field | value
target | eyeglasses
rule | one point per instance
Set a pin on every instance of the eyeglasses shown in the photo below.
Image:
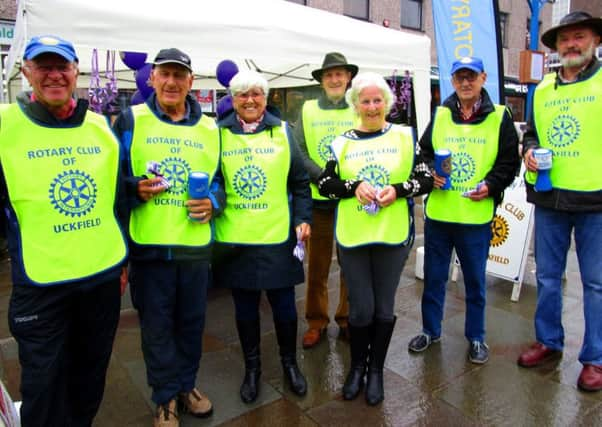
(469, 77)
(47, 69)
(255, 94)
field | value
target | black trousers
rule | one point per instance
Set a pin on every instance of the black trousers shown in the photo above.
(171, 299)
(65, 335)
(282, 301)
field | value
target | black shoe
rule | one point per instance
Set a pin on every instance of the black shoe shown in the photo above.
(295, 378)
(354, 382)
(249, 389)
(381, 338)
(249, 334)
(478, 352)
(421, 342)
(375, 389)
(359, 343)
(286, 334)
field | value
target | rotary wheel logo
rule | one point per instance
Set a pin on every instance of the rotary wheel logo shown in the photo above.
(565, 130)
(324, 147)
(73, 193)
(176, 171)
(249, 182)
(463, 167)
(499, 231)
(375, 175)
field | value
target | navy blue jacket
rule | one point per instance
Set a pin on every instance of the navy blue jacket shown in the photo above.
(259, 267)
(124, 129)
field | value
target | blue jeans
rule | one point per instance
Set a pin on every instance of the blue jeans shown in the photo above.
(472, 247)
(552, 240)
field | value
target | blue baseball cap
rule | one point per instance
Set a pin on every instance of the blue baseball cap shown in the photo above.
(50, 44)
(468, 62)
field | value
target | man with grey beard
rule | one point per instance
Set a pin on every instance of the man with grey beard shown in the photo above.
(567, 107)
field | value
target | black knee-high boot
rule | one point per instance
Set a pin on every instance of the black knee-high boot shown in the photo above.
(286, 333)
(381, 337)
(249, 334)
(359, 343)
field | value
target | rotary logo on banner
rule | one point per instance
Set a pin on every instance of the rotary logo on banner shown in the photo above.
(511, 234)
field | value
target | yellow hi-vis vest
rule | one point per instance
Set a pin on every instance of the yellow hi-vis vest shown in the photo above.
(62, 185)
(381, 160)
(320, 127)
(474, 149)
(255, 169)
(568, 121)
(180, 149)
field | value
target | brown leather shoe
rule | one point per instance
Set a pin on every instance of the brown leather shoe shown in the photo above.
(196, 403)
(312, 337)
(167, 415)
(590, 378)
(536, 355)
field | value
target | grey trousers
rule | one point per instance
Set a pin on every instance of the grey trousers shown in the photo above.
(372, 274)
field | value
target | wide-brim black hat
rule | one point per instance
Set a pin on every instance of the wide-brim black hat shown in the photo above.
(574, 18)
(333, 60)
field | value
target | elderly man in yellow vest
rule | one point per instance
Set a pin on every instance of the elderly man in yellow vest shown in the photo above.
(59, 190)
(320, 122)
(566, 123)
(171, 231)
(484, 147)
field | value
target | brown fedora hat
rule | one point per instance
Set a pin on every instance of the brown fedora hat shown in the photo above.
(332, 60)
(574, 18)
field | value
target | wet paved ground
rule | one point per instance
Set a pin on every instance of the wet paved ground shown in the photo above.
(436, 388)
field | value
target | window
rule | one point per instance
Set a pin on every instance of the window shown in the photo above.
(503, 27)
(303, 2)
(411, 14)
(357, 9)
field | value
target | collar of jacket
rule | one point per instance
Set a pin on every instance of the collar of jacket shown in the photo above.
(39, 114)
(270, 119)
(486, 107)
(585, 74)
(194, 109)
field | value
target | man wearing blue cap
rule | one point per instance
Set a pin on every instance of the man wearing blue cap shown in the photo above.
(59, 188)
(484, 148)
(567, 106)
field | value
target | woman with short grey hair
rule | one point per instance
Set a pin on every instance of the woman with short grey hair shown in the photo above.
(268, 212)
(365, 80)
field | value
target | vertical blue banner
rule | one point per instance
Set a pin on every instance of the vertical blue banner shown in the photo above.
(468, 28)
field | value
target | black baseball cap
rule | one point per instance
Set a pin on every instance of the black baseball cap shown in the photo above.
(172, 56)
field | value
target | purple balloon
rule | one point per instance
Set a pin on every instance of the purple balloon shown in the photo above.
(134, 60)
(225, 71)
(136, 98)
(142, 83)
(224, 105)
